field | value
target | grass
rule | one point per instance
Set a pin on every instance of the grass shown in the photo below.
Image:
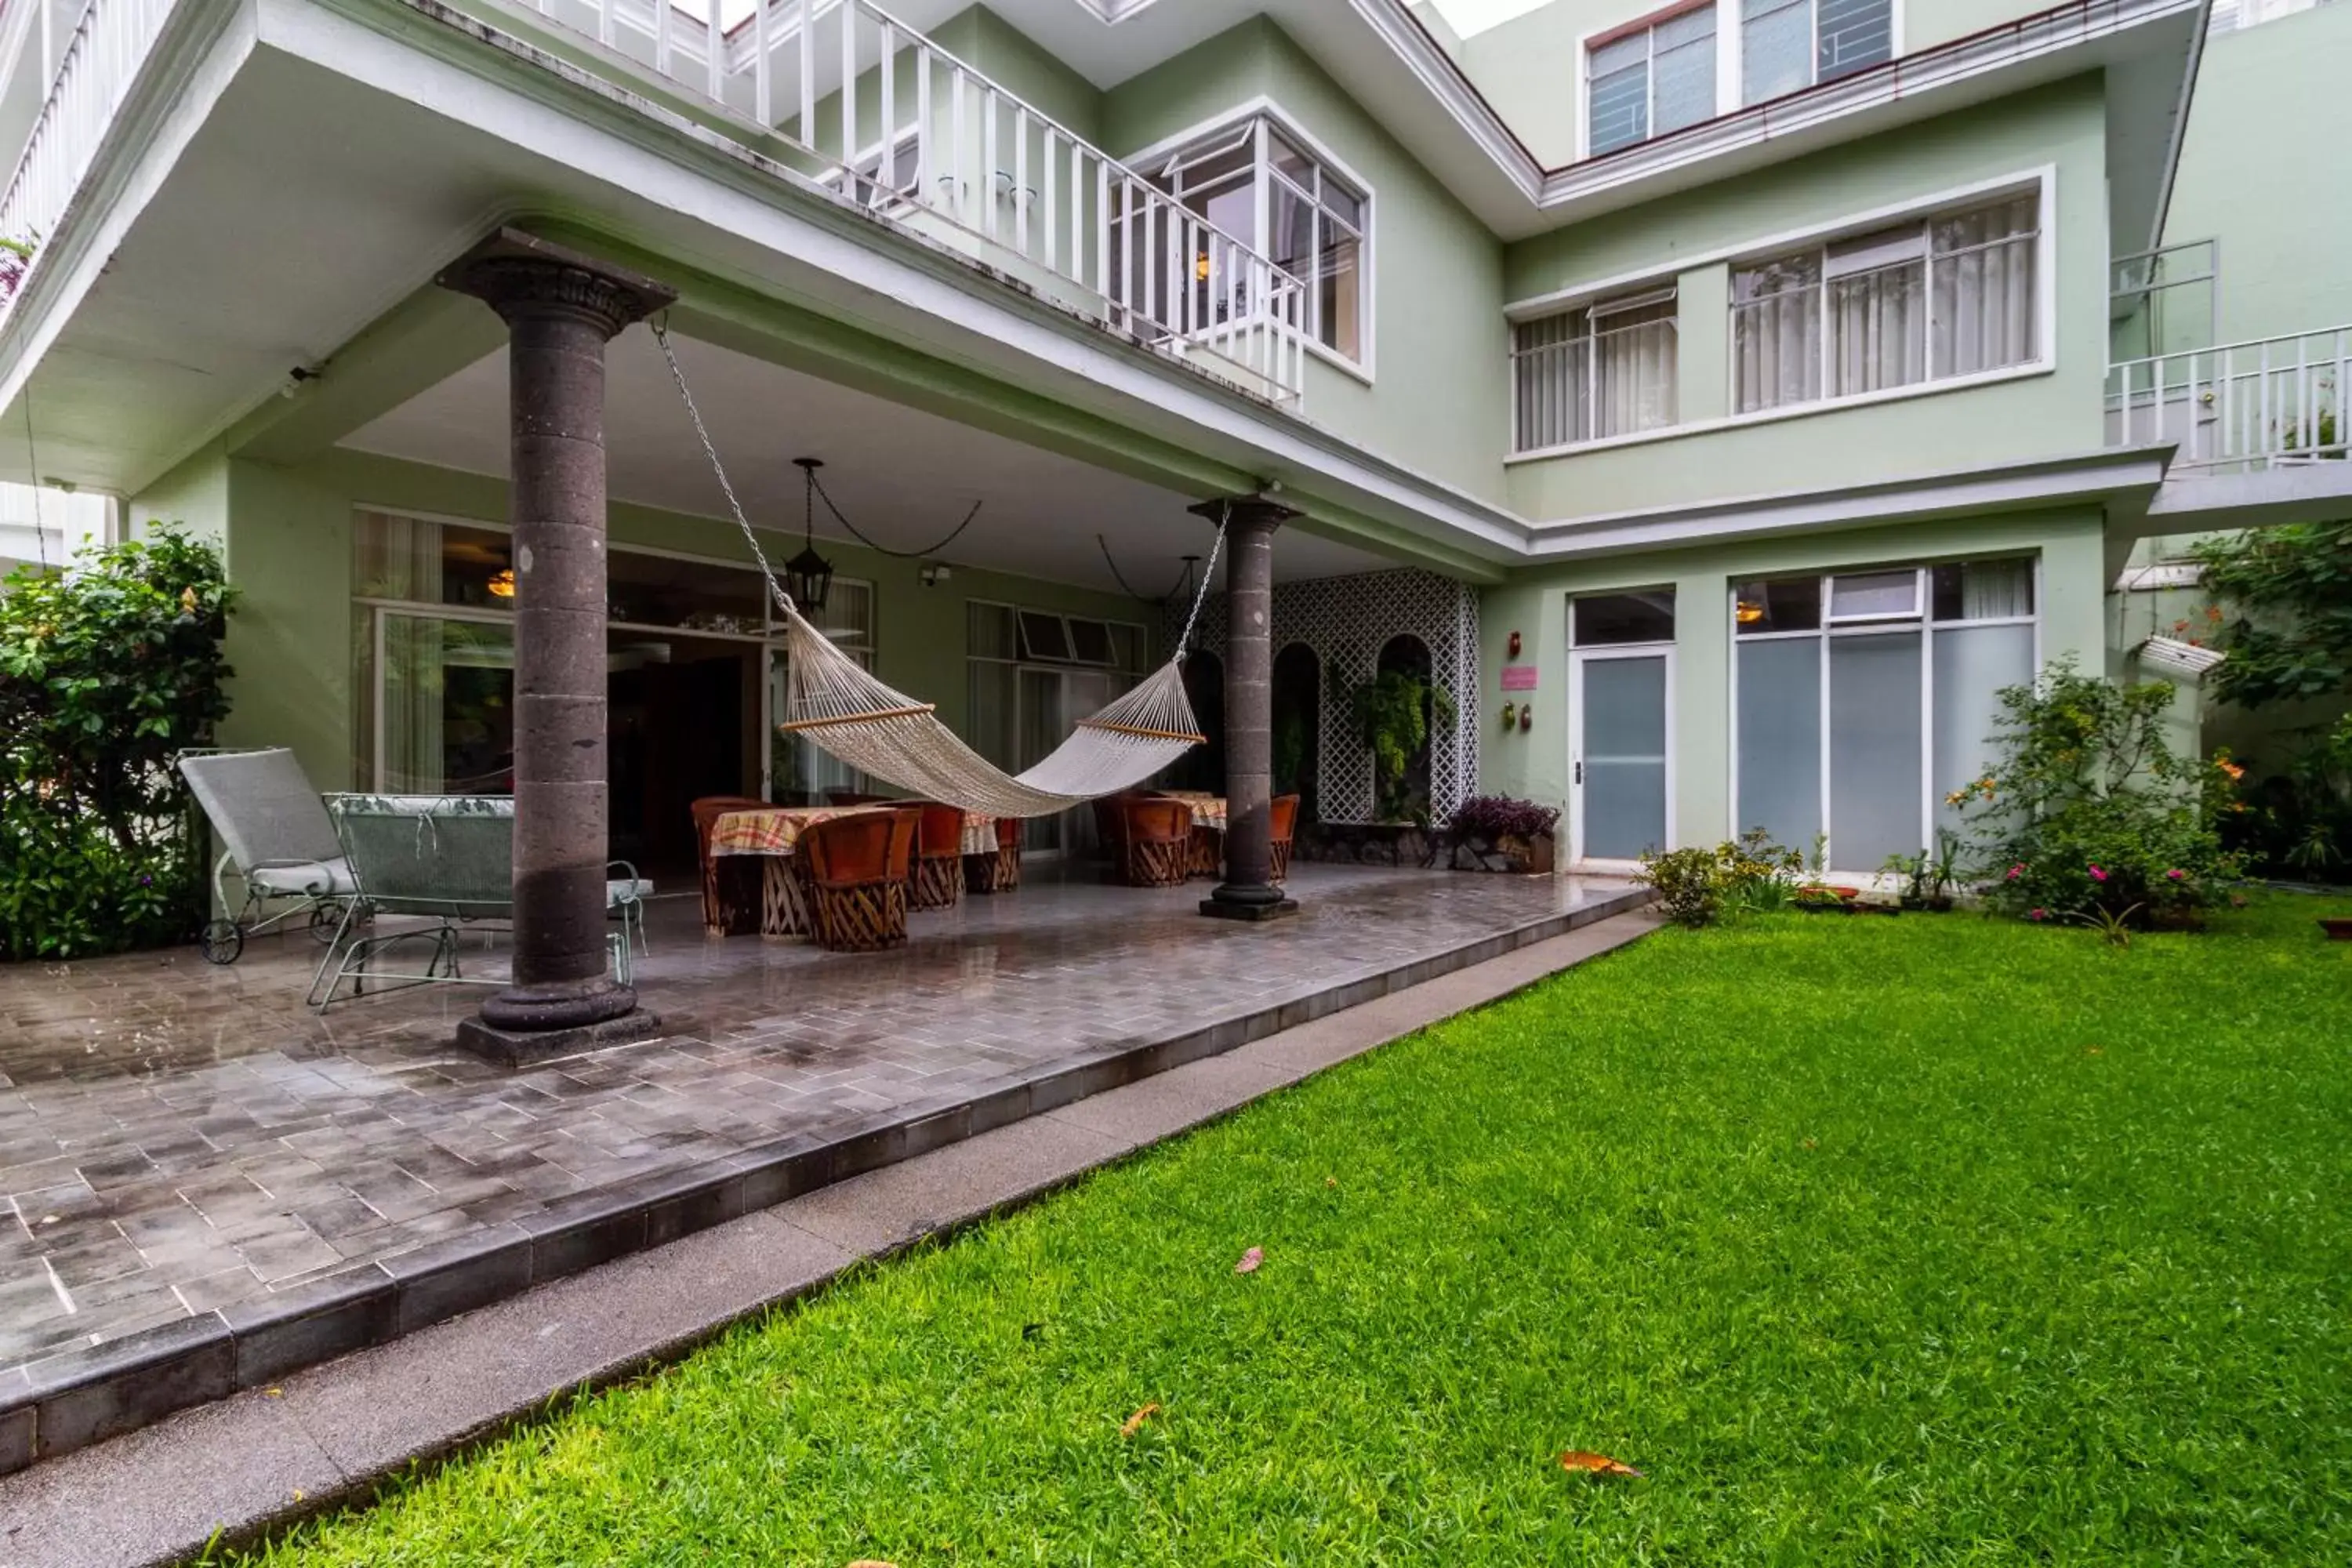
(1930, 1240)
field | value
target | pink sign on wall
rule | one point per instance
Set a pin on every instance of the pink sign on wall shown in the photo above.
(1519, 678)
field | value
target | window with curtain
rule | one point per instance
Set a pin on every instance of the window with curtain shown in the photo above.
(1865, 698)
(1919, 301)
(1605, 370)
(1656, 76)
(1787, 46)
(1257, 184)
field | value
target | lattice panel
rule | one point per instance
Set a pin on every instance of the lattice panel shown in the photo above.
(1345, 621)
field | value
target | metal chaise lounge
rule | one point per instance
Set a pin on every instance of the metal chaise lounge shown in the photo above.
(278, 840)
(449, 860)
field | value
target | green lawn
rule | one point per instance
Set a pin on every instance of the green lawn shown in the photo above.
(1888, 1241)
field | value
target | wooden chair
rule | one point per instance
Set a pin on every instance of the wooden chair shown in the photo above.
(999, 871)
(1156, 841)
(1108, 829)
(856, 867)
(939, 858)
(730, 883)
(1208, 853)
(1282, 815)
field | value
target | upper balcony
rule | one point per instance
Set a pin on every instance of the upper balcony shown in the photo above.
(836, 92)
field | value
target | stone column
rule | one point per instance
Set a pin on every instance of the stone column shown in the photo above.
(560, 309)
(1248, 892)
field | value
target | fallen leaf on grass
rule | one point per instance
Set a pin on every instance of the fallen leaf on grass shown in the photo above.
(1810, 1144)
(871, 1562)
(2094, 1050)
(1330, 1181)
(1578, 1461)
(1250, 1260)
(1134, 1422)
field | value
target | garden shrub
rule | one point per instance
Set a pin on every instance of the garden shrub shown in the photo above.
(2089, 812)
(1689, 884)
(106, 673)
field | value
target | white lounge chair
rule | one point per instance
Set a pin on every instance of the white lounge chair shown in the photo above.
(280, 841)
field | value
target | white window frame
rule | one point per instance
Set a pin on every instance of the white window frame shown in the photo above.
(869, 189)
(1662, 290)
(1603, 38)
(2044, 178)
(1735, 89)
(1923, 619)
(1264, 109)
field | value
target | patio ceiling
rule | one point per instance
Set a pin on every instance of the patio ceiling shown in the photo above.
(905, 477)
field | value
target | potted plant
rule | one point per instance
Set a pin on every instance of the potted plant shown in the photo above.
(1499, 833)
(1393, 712)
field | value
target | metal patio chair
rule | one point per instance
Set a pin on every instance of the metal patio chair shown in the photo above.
(448, 859)
(277, 839)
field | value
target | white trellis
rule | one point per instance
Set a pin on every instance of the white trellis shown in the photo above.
(1345, 622)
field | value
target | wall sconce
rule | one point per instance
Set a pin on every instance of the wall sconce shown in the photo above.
(1526, 718)
(1514, 645)
(1510, 715)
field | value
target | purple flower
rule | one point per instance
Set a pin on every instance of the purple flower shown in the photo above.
(2175, 875)
(2098, 875)
(146, 881)
(2037, 914)
(2015, 873)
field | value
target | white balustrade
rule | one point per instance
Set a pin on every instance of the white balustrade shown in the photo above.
(917, 136)
(2238, 407)
(101, 56)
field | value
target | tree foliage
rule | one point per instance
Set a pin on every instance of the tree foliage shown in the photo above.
(2287, 596)
(107, 672)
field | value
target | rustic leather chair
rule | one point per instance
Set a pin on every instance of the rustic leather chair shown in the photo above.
(730, 883)
(998, 871)
(1282, 815)
(1155, 841)
(856, 867)
(939, 858)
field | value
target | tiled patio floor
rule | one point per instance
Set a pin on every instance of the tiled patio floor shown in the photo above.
(175, 1137)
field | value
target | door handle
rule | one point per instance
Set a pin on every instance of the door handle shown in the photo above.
(1579, 770)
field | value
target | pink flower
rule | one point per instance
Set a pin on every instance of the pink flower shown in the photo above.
(2015, 873)
(2175, 875)
(2098, 875)
(2037, 914)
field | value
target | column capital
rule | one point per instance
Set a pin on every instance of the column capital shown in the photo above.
(518, 274)
(1258, 510)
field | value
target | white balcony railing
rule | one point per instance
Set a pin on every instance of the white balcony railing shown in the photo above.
(2240, 406)
(923, 140)
(101, 56)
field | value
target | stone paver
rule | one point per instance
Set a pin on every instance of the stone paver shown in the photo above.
(331, 1432)
(176, 1138)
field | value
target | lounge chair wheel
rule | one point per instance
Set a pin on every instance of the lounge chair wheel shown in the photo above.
(325, 921)
(223, 942)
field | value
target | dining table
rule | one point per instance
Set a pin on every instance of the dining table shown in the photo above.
(774, 833)
(1208, 848)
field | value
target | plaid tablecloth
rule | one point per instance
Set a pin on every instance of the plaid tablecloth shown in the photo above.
(1208, 810)
(777, 829)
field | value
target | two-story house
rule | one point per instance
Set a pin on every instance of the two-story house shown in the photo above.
(1731, 393)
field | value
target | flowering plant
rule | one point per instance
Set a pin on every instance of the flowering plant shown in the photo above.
(2090, 810)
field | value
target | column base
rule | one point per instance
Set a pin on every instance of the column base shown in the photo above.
(528, 1047)
(1229, 902)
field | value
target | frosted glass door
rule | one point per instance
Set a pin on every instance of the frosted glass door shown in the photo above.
(1621, 748)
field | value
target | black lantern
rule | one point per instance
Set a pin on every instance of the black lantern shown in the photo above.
(808, 577)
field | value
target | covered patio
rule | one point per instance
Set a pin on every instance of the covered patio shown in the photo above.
(194, 1164)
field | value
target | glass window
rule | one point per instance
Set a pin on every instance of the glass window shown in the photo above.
(1875, 595)
(1606, 618)
(1606, 370)
(1779, 605)
(1972, 665)
(1044, 637)
(1946, 296)
(1877, 806)
(1982, 590)
(1780, 752)
(1787, 46)
(1646, 83)
(1315, 219)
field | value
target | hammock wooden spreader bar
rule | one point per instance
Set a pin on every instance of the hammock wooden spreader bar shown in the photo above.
(838, 705)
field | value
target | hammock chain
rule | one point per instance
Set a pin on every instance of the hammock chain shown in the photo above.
(750, 536)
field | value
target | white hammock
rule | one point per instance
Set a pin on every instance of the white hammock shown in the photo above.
(838, 705)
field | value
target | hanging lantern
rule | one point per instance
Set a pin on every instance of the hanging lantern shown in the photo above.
(808, 577)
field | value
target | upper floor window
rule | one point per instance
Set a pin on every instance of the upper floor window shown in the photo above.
(1787, 46)
(1605, 369)
(1257, 184)
(1651, 77)
(1923, 300)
